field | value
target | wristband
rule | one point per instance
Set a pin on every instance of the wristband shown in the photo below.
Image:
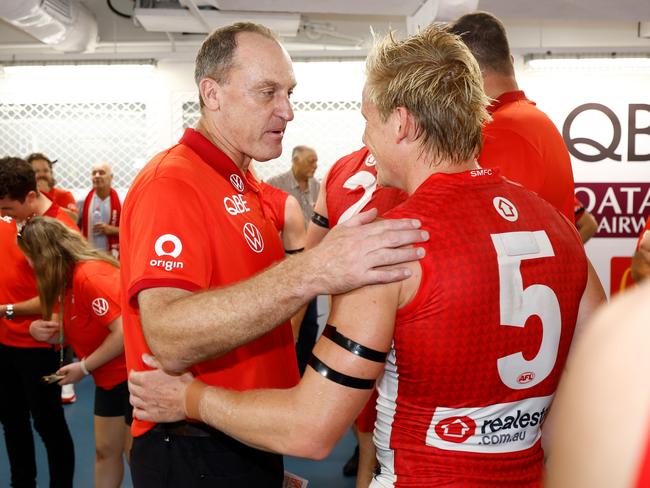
(9, 311)
(82, 365)
(193, 395)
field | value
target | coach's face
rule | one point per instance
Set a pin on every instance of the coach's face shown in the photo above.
(252, 104)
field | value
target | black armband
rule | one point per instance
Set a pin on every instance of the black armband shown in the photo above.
(342, 379)
(354, 347)
(320, 221)
(294, 251)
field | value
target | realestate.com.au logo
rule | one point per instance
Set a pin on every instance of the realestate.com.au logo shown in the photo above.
(168, 245)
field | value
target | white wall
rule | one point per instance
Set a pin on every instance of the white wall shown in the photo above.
(334, 130)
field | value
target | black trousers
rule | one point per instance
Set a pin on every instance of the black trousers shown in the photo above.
(307, 335)
(160, 459)
(25, 395)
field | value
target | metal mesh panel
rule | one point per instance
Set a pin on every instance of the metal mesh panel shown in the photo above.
(332, 128)
(79, 135)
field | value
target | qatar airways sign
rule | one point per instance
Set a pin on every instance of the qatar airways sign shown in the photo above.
(619, 208)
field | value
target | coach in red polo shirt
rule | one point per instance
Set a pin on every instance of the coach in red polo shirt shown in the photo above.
(199, 283)
(24, 360)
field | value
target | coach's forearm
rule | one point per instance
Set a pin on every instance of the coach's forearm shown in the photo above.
(197, 327)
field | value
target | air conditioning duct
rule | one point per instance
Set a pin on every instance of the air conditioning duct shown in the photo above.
(65, 25)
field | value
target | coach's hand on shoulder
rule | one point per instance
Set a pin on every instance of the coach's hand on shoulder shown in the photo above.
(355, 253)
(157, 396)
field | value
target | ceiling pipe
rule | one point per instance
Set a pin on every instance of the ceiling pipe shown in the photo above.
(65, 25)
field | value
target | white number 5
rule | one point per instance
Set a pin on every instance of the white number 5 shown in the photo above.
(517, 304)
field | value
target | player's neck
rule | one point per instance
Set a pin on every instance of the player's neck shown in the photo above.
(496, 84)
(423, 170)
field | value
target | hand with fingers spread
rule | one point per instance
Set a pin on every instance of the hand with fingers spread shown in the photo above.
(157, 396)
(356, 253)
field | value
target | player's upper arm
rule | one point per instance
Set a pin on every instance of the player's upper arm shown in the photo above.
(592, 298)
(316, 233)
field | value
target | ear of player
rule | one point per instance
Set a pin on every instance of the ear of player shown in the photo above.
(355, 348)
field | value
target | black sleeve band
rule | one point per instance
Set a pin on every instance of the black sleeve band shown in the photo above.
(319, 220)
(354, 347)
(340, 378)
(294, 251)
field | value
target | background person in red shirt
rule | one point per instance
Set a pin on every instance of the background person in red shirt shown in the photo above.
(24, 360)
(520, 140)
(44, 169)
(85, 284)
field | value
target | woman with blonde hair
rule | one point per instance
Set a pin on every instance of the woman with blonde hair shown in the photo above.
(81, 284)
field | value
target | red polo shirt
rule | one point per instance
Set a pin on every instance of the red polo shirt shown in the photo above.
(18, 283)
(274, 201)
(63, 198)
(91, 304)
(192, 220)
(527, 148)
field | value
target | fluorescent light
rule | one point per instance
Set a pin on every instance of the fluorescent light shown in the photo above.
(586, 62)
(112, 69)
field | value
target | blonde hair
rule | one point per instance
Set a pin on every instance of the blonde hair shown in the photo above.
(434, 76)
(54, 250)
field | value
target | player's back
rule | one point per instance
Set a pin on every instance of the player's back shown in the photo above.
(352, 188)
(478, 352)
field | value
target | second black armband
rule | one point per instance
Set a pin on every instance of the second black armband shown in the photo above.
(320, 221)
(338, 377)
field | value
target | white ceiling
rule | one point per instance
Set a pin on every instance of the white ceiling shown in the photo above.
(341, 28)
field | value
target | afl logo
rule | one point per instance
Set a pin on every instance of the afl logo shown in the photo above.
(237, 183)
(526, 377)
(505, 208)
(159, 247)
(456, 429)
(370, 160)
(253, 237)
(100, 307)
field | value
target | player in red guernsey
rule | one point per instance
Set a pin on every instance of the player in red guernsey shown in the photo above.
(472, 345)
(600, 430)
(350, 187)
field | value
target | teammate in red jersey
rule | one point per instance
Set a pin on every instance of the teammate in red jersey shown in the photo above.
(601, 419)
(350, 187)
(471, 347)
(85, 283)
